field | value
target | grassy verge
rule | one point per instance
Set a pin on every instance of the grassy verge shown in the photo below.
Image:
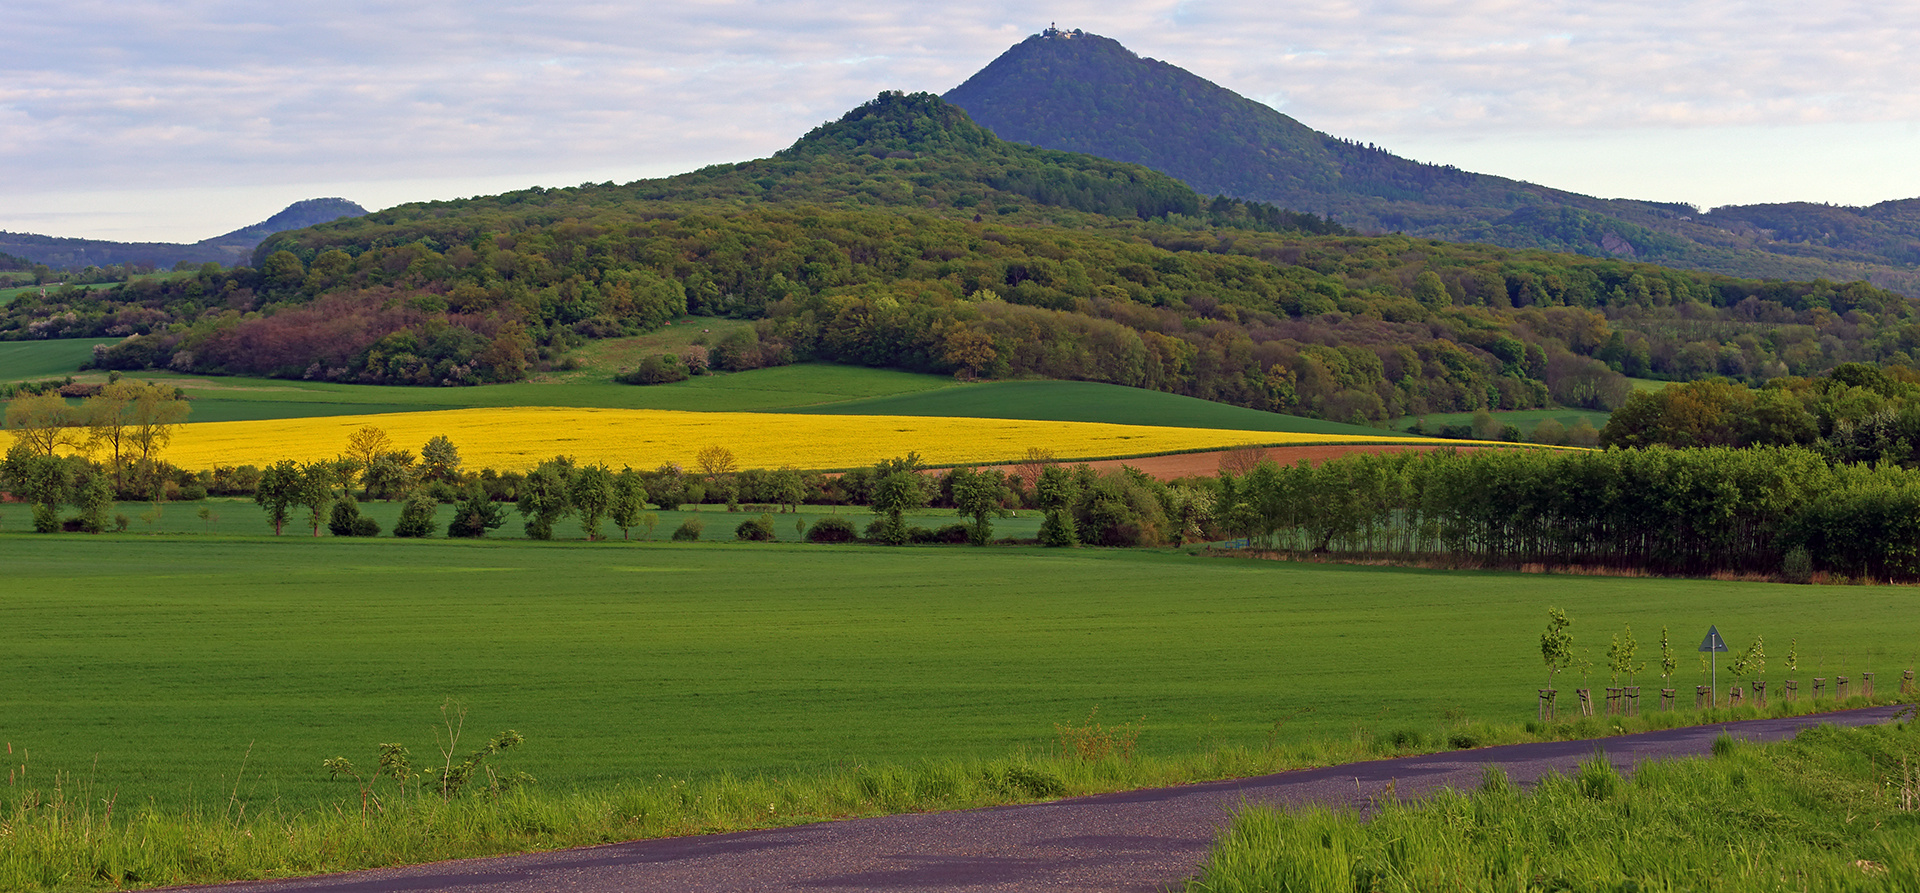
(1832, 810)
(69, 835)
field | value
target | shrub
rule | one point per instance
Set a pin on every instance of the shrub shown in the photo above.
(477, 515)
(887, 531)
(365, 526)
(1798, 566)
(416, 517)
(756, 530)
(657, 369)
(919, 535)
(341, 522)
(831, 529)
(688, 531)
(951, 534)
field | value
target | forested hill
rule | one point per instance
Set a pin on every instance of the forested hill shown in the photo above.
(1085, 93)
(230, 248)
(905, 235)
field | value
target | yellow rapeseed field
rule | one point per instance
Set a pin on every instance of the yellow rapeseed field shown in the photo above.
(518, 438)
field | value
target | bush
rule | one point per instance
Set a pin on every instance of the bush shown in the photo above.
(688, 531)
(885, 531)
(477, 515)
(416, 518)
(365, 526)
(951, 534)
(756, 530)
(341, 522)
(1798, 566)
(657, 369)
(1058, 530)
(831, 529)
(919, 535)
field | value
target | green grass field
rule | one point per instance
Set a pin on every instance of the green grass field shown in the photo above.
(8, 294)
(1524, 419)
(810, 388)
(174, 667)
(1084, 401)
(21, 360)
(238, 398)
(228, 516)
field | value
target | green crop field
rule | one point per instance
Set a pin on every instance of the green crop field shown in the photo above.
(1084, 401)
(236, 398)
(241, 517)
(181, 668)
(45, 359)
(1524, 419)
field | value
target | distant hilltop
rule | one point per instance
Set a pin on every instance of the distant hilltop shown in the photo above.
(1075, 91)
(228, 249)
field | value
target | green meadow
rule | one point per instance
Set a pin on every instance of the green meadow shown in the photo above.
(45, 359)
(808, 388)
(1085, 401)
(235, 516)
(1524, 419)
(192, 669)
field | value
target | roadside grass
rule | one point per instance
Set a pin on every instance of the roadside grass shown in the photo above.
(74, 835)
(1831, 810)
(1085, 401)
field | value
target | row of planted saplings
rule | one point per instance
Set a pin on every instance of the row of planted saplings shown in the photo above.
(1556, 649)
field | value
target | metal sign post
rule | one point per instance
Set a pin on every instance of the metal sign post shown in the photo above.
(1713, 645)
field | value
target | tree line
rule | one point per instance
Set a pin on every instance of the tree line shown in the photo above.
(1856, 413)
(1774, 510)
(1765, 510)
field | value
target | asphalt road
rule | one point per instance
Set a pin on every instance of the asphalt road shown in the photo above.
(1135, 841)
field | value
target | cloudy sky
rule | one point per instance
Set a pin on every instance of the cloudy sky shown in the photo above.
(178, 120)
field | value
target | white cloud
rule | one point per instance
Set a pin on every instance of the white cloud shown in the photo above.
(139, 96)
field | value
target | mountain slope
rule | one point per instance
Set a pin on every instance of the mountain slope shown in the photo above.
(904, 235)
(1085, 93)
(230, 248)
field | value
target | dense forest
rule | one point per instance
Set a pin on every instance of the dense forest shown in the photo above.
(1766, 511)
(905, 235)
(1085, 93)
(1857, 413)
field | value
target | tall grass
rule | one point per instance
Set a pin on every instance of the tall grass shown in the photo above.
(1831, 810)
(67, 835)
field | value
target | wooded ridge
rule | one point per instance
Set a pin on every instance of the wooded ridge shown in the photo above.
(905, 235)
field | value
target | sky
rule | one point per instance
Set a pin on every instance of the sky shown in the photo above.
(183, 119)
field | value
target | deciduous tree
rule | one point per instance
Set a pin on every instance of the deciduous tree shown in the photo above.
(979, 495)
(591, 493)
(42, 422)
(279, 491)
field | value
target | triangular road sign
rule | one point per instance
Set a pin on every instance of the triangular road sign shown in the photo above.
(1713, 642)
